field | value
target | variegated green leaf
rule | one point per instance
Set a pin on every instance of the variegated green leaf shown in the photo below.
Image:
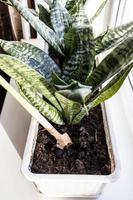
(59, 18)
(44, 15)
(31, 55)
(112, 63)
(105, 93)
(81, 63)
(40, 104)
(70, 108)
(99, 10)
(47, 33)
(80, 18)
(70, 40)
(22, 73)
(113, 36)
(111, 88)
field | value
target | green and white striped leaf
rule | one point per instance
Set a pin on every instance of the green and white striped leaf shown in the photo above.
(22, 73)
(81, 63)
(112, 63)
(33, 56)
(80, 18)
(70, 108)
(113, 36)
(41, 105)
(105, 93)
(70, 40)
(112, 87)
(60, 18)
(47, 33)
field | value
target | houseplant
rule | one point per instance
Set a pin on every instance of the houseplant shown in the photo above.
(69, 79)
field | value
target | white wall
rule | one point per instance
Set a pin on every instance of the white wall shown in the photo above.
(101, 22)
(16, 121)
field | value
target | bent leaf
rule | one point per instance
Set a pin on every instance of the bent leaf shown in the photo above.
(111, 88)
(47, 33)
(33, 56)
(22, 73)
(112, 63)
(113, 36)
(75, 91)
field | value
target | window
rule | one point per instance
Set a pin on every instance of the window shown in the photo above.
(122, 13)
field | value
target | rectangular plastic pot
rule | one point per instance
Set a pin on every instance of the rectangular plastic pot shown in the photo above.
(89, 186)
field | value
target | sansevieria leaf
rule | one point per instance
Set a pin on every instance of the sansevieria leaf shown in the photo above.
(106, 92)
(81, 63)
(47, 33)
(59, 18)
(70, 108)
(22, 73)
(33, 56)
(112, 87)
(41, 105)
(112, 63)
(113, 36)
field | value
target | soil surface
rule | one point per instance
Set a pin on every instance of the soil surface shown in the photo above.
(87, 155)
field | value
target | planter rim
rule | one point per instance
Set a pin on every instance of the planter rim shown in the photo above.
(108, 126)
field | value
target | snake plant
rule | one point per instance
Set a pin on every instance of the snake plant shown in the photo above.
(66, 83)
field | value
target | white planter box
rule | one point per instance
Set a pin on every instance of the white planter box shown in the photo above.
(89, 186)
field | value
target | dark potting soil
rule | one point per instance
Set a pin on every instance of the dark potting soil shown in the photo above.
(87, 155)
